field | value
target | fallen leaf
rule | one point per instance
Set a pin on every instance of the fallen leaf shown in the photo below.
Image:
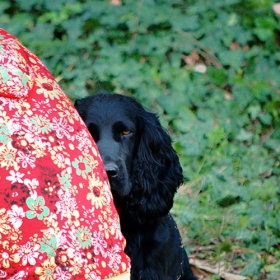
(116, 2)
(276, 8)
(201, 269)
(191, 59)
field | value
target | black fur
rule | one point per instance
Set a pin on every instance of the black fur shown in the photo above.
(144, 173)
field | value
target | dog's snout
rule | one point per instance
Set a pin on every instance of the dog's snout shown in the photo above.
(112, 170)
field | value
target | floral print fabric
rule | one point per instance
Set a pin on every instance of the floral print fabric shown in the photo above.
(57, 217)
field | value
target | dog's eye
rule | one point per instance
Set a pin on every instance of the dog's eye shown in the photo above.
(126, 132)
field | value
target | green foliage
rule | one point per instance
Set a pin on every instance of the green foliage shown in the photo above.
(225, 122)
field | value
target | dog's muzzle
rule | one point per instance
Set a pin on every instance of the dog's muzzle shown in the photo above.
(112, 170)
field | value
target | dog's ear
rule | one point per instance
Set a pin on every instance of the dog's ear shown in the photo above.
(157, 173)
(78, 105)
(82, 107)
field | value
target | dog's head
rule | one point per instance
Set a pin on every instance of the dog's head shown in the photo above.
(143, 168)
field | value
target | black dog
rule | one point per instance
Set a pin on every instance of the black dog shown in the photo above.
(144, 174)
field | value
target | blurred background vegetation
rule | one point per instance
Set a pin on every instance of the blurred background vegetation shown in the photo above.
(210, 69)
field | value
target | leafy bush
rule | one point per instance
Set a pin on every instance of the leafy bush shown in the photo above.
(211, 71)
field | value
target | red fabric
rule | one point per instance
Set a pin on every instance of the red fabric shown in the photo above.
(57, 217)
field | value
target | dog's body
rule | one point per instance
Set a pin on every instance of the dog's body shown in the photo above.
(144, 173)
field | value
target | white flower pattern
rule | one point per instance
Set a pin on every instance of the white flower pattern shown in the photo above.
(15, 177)
(15, 216)
(28, 253)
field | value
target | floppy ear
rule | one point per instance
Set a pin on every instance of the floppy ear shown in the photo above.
(157, 173)
(79, 105)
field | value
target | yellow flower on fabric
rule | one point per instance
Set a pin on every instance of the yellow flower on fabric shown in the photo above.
(91, 272)
(73, 218)
(23, 108)
(52, 229)
(3, 116)
(47, 270)
(93, 163)
(48, 88)
(14, 235)
(66, 110)
(38, 150)
(105, 227)
(6, 254)
(74, 190)
(8, 157)
(76, 266)
(97, 193)
(107, 214)
(59, 157)
(5, 259)
(51, 222)
(4, 225)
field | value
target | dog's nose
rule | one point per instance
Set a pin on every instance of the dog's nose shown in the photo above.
(112, 170)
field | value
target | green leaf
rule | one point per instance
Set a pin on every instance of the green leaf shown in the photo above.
(253, 267)
(232, 58)
(217, 75)
(185, 22)
(273, 144)
(73, 28)
(59, 4)
(265, 118)
(244, 235)
(254, 111)
(216, 136)
(171, 102)
(244, 135)
(28, 4)
(4, 6)
(243, 221)
(194, 142)
(187, 216)
(226, 246)
(265, 27)
(263, 34)
(185, 120)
